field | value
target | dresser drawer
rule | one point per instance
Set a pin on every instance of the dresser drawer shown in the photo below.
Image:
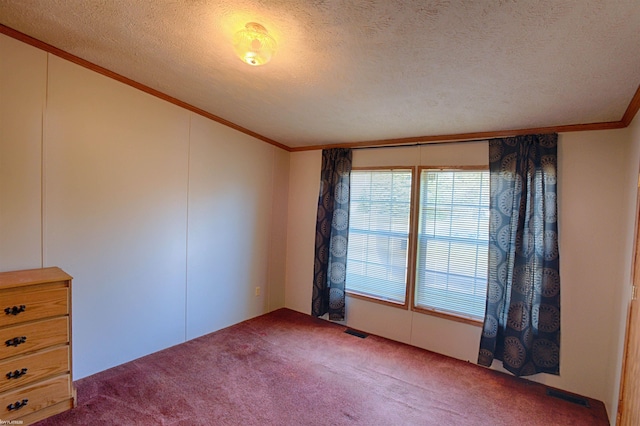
(31, 303)
(25, 400)
(27, 369)
(33, 336)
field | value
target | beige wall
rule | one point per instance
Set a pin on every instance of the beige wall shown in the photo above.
(165, 219)
(633, 177)
(115, 213)
(595, 216)
(304, 185)
(596, 201)
(230, 222)
(276, 294)
(22, 93)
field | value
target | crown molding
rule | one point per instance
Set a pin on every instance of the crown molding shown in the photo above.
(466, 137)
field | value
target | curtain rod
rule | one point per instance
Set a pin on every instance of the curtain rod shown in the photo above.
(423, 143)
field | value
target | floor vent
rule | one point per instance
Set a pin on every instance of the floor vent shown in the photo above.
(568, 397)
(356, 333)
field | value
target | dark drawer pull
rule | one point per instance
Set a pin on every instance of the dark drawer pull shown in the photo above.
(15, 310)
(16, 341)
(17, 405)
(16, 374)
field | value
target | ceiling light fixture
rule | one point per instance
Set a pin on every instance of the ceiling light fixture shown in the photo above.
(254, 45)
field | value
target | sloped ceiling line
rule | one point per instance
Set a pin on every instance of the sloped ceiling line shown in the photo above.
(122, 79)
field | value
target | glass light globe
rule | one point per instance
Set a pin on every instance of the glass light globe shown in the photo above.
(254, 45)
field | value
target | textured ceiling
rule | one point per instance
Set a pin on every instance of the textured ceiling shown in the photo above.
(349, 71)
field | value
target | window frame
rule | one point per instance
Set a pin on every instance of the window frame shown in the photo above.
(459, 317)
(412, 248)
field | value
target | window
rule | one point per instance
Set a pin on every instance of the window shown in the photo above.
(453, 241)
(446, 271)
(379, 214)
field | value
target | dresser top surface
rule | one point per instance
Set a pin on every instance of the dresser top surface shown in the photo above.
(32, 276)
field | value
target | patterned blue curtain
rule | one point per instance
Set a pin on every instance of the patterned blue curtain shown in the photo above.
(522, 320)
(332, 233)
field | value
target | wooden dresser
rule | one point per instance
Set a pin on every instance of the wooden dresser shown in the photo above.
(35, 344)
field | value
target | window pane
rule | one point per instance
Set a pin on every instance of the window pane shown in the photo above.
(379, 233)
(453, 238)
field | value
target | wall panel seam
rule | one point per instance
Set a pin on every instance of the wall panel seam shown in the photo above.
(43, 180)
(186, 260)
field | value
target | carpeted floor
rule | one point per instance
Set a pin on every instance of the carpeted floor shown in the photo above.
(286, 368)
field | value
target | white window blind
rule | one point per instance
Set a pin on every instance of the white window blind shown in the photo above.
(379, 233)
(453, 229)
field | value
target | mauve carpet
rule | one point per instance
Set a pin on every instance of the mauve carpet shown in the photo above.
(287, 368)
